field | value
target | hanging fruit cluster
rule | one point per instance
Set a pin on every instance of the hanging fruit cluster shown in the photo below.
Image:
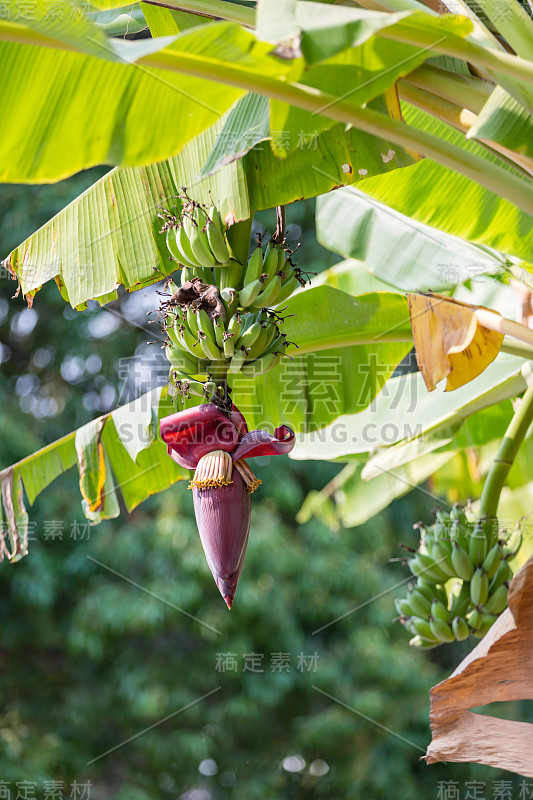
(463, 574)
(219, 319)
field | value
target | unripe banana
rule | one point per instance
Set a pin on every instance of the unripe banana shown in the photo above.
(237, 361)
(181, 361)
(422, 644)
(196, 388)
(441, 532)
(192, 322)
(248, 293)
(424, 567)
(439, 611)
(441, 630)
(212, 353)
(459, 534)
(175, 252)
(493, 561)
(184, 246)
(457, 514)
(172, 330)
(198, 238)
(187, 274)
(188, 342)
(254, 270)
(287, 288)
(270, 264)
(218, 327)
(461, 602)
(272, 330)
(420, 604)
(462, 564)
(229, 347)
(215, 237)
(497, 602)
(485, 624)
(474, 620)
(479, 587)
(235, 326)
(429, 590)
(460, 629)
(422, 628)
(443, 559)
(513, 544)
(282, 258)
(260, 366)
(503, 575)
(250, 335)
(231, 276)
(269, 294)
(403, 607)
(205, 325)
(258, 347)
(478, 545)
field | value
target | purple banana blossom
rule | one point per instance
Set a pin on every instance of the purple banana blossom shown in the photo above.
(214, 444)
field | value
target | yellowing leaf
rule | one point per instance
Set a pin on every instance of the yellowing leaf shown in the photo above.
(449, 341)
(91, 463)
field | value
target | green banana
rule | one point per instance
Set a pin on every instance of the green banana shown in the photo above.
(424, 567)
(235, 326)
(422, 644)
(254, 270)
(181, 361)
(403, 607)
(218, 327)
(231, 276)
(513, 544)
(479, 587)
(270, 263)
(258, 347)
(503, 575)
(196, 388)
(287, 288)
(269, 294)
(420, 604)
(187, 274)
(174, 251)
(260, 366)
(459, 534)
(229, 347)
(439, 611)
(250, 335)
(248, 293)
(272, 330)
(215, 237)
(493, 560)
(282, 258)
(474, 620)
(205, 325)
(441, 630)
(184, 246)
(485, 624)
(478, 545)
(420, 626)
(192, 322)
(462, 564)
(198, 238)
(461, 602)
(460, 629)
(188, 342)
(212, 353)
(443, 559)
(429, 590)
(497, 602)
(237, 361)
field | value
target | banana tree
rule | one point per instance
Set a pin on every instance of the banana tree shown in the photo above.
(421, 123)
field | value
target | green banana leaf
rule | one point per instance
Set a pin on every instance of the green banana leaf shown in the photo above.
(405, 409)
(166, 21)
(394, 248)
(110, 234)
(123, 21)
(436, 196)
(503, 120)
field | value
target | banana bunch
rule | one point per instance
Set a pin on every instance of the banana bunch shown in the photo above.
(199, 240)
(462, 579)
(268, 280)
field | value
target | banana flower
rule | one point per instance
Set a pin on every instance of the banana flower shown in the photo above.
(213, 444)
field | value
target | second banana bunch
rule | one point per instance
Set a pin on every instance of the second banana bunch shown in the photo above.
(462, 576)
(219, 320)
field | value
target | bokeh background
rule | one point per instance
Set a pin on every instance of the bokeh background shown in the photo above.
(94, 649)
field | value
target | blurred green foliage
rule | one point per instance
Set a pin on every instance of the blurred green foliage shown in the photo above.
(111, 631)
